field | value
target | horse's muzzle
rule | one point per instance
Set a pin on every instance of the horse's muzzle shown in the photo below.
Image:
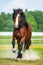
(16, 26)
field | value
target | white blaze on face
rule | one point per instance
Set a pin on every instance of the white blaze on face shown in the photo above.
(16, 21)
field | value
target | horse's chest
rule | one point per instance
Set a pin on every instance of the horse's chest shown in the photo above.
(21, 32)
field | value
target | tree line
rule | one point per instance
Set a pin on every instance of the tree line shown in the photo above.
(34, 18)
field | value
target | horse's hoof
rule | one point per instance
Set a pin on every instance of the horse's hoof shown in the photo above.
(19, 56)
(14, 50)
(18, 59)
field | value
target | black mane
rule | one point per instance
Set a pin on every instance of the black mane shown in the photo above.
(23, 18)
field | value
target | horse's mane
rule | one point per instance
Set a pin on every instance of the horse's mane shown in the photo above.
(23, 17)
(23, 20)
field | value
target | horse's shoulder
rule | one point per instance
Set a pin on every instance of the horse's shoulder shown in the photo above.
(23, 28)
(29, 27)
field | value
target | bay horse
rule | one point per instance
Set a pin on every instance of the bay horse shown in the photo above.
(22, 32)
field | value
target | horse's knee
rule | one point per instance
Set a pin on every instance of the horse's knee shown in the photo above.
(20, 46)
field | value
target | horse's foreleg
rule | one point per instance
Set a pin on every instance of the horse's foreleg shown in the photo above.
(13, 45)
(20, 44)
(19, 49)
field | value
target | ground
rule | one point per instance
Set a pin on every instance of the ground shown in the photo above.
(20, 62)
(5, 46)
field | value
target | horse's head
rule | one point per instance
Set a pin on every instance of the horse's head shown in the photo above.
(18, 17)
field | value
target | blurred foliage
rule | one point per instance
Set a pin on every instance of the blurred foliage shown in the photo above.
(34, 18)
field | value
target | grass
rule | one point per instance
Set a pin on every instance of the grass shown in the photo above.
(37, 36)
(20, 62)
(5, 37)
(39, 51)
(37, 41)
(10, 37)
(8, 40)
(5, 41)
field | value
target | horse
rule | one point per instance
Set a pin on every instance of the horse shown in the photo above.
(22, 32)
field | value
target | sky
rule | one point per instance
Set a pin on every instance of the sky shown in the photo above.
(8, 5)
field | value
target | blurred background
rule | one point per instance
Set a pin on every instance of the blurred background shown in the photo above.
(33, 10)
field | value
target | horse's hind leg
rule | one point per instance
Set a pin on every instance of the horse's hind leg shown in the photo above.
(27, 44)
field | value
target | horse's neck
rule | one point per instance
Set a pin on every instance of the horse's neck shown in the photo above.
(25, 24)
